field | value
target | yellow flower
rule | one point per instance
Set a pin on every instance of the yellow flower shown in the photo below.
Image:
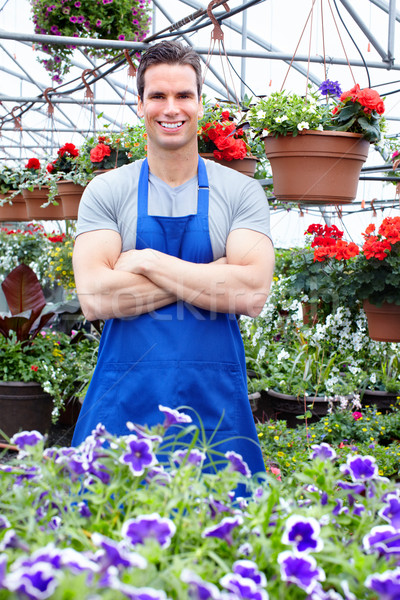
(280, 454)
(364, 429)
(276, 437)
(260, 434)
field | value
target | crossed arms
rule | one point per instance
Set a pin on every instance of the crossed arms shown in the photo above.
(114, 284)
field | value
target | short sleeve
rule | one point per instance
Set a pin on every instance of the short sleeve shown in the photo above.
(97, 207)
(252, 211)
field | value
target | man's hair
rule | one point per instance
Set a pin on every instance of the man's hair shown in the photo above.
(168, 53)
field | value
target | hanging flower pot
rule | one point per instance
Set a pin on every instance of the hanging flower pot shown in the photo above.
(246, 165)
(70, 194)
(316, 167)
(15, 211)
(35, 199)
(383, 321)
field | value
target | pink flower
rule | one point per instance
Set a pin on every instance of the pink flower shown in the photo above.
(357, 415)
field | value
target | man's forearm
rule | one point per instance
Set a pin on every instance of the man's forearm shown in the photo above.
(118, 294)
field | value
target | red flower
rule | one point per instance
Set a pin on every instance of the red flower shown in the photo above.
(50, 168)
(33, 163)
(34, 368)
(70, 149)
(56, 238)
(225, 115)
(345, 250)
(357, 415)
(98, 153)
(371, 100)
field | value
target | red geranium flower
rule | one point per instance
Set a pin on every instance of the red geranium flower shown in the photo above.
(99, 152)
(33, 163)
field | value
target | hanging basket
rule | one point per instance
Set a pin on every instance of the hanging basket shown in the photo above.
(316, 167)
(15, 211)
(383, 321)
(34, 200)
(246, 165)
(70, 194)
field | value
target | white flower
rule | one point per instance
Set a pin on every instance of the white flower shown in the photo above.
(303, 125)
(281, 119)
(260, 114)
(283, 354)
(373, 378)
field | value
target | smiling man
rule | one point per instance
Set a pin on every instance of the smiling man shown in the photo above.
(168, 251)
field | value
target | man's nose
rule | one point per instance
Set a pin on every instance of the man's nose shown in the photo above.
(171, 106)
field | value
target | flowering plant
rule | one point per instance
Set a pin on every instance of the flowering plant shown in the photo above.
(219, 134)
(10, 179)
(104, 19)
(357, 111)
(373, 271)
(151, 524)
(65, 162)
(60, 269)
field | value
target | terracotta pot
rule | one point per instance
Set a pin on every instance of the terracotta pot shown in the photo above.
(15, 211)
(381, 399)
(34, 200)
(24, 407)
(246, 165)
(383, 321)
(70, 194)
(316, 167)
(310, 312)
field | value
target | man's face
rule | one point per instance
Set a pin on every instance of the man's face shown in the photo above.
(170, 107)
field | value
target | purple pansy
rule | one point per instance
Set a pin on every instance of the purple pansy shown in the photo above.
(323, 451)
(331, 88)
(26, 438)
(139, 456)
(384, 538)
(249, 569)
(36, 581)
(115, 554)
(194, 456)
(224, 529)
(391, 512)
(237, 463)
(199, 589)
(149, 526)
(173, 417)
(387, 584)
(242, 587)
(300, 569)
(360, 468)
(303, 534)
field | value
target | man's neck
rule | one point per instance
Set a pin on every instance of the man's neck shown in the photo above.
(174, 167)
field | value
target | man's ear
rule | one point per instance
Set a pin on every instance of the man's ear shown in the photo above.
(200, 111)
(140, 112)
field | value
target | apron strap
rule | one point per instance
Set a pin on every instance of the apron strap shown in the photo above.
(202, 194)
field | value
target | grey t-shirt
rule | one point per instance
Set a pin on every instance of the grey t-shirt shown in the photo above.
(236, 202)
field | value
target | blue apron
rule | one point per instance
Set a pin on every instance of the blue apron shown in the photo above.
(179, 355)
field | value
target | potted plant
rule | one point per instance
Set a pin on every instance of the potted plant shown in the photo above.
(381, 382)
(12, 204)
(122, 20)
(32, 369)
(221, 139)
(35, 190)
(322, 143)
(66, 180)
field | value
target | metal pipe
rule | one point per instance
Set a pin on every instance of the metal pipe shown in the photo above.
(243, 60)
(64, 101)
(391, 29)
(384, 6)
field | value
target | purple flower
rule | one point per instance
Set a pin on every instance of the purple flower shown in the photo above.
(391, 512)
(384, 538)
(358, 509)
(80, 19)
(224, 529)
(121, 37)
(356, 488)
(361, 468)
(26, 438)
(141, 432)
(237, 463)
(4, 522)
(191, 457)
(323, 451)
(77, 562)
(249, 570)
(54, 29)
(387, 584)
(217, 507)
(3, 569)
(135, 22)
(139, 529)
(331, 88)
(139, 456)
(245, 549)
(300, 569)
(98, 23)
(77, 4)
(144, 593)
(199, 589)
(173, 417)
(114, 554)
(241, 587)
(302, 533)
(38, 581)
(84, 510)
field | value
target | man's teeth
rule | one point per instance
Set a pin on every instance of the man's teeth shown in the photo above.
(172, 125)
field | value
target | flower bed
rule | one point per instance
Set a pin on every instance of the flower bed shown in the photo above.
(120, 518)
